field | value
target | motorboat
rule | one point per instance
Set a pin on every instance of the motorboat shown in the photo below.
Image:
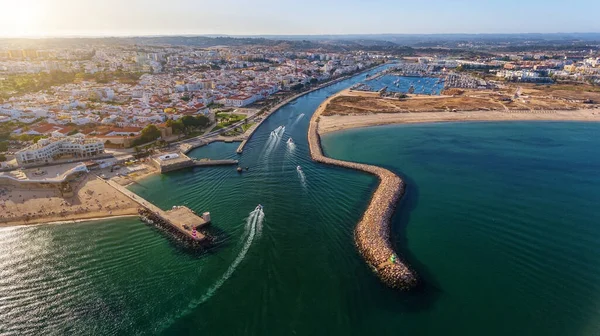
(259, 207)
(299, 168)
(290, 141)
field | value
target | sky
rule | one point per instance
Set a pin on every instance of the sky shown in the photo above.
(297, 17)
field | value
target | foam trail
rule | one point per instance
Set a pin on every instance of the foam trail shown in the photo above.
(302, 178)
(276, 139)
(291, 146)
(272, 138)
(253, 222)
(259, 222)
(297, 120)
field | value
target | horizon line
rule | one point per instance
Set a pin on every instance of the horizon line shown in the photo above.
(214, 35)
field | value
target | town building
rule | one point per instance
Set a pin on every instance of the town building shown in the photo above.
(57, 147)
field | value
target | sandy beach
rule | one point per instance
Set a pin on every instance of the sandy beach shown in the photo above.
(356, 109)
(92, 199)
(335, 123)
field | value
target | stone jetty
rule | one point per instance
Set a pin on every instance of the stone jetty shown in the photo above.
(372, 233)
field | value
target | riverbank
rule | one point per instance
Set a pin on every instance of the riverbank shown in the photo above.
(335, 123)
(274, 109)
(372, 233)
(92, 199)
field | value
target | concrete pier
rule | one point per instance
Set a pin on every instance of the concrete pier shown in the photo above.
(208, 163)
(176, 161)
(180, 219)
(240, 148)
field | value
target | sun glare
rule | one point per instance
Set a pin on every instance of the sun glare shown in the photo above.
(20, 18)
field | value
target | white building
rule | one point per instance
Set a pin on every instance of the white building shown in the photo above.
(241, 100)
(48, 150)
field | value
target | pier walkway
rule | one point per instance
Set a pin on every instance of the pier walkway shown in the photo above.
(180, 218)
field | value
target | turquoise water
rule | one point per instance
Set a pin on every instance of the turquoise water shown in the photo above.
(499, 219)
(421, 85)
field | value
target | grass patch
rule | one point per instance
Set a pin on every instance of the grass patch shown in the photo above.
(245, 127)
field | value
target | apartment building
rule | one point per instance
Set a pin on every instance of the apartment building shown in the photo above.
(56, 147)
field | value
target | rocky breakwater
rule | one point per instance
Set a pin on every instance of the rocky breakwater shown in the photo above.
(372, 233)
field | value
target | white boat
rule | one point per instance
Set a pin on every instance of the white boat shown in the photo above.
(299, 168)
(259, 207)
(290, 141)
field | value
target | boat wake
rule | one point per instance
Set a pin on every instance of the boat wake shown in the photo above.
(291, 145)
(278, 132)
(297, 120)
(253, 228)
(274, 139)
(301, 176)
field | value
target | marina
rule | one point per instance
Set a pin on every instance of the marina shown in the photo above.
(402, 84)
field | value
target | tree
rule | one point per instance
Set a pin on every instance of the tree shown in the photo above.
(202, 120)
(3, 146)
(150, 133)
(176, 125)
(24, 137)
(2, 158)
(189, 121)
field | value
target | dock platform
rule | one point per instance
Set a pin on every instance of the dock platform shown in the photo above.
(182, 219)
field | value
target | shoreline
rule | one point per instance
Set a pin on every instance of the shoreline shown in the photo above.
(67, 221)
(336, 122)
(372, 233)
(90, 199)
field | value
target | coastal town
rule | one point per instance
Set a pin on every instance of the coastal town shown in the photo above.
(112, 94)
(79, 125)
(71, 118)
(299, 168)
(128, 111)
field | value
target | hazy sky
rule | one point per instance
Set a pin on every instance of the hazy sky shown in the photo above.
(251, 17)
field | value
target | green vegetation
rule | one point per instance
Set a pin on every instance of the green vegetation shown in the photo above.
(297, 87)
(3, 146)
(188, 124)
(2, 158)
(28, 83)
(107, 77)
(215, 105)
(227, 119)
(245, 127)
(148, 134)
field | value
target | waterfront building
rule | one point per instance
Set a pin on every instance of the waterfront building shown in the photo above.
(59, 146)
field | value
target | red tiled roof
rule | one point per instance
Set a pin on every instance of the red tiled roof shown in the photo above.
(125, 130)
